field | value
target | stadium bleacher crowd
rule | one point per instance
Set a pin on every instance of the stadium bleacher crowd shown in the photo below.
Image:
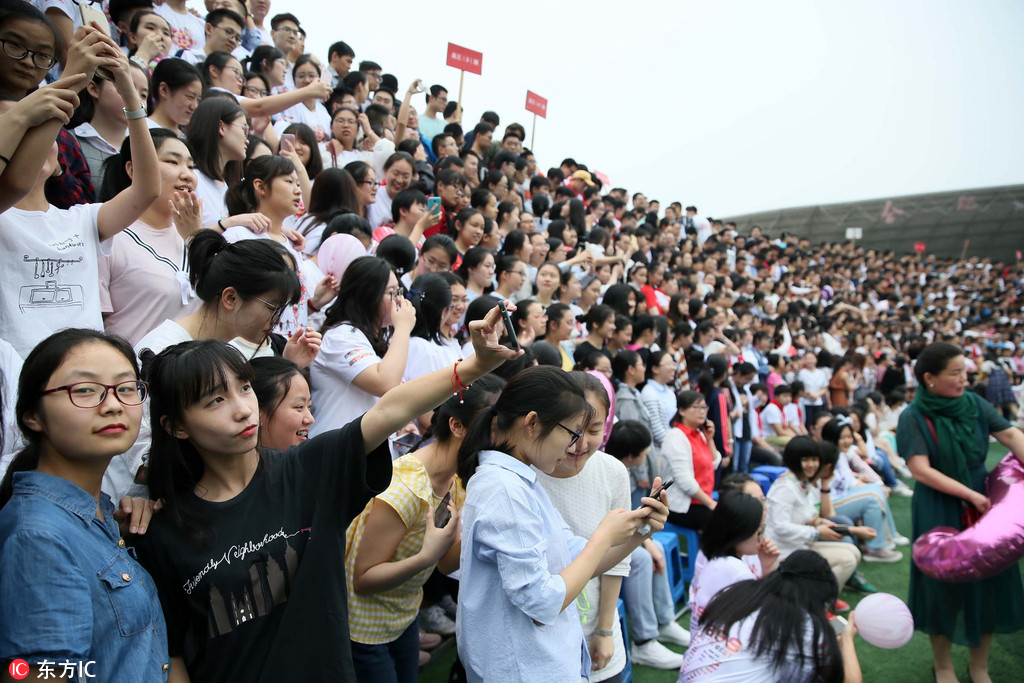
(264, 418)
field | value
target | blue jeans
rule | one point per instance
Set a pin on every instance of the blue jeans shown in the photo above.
(647, 595)
(881, 463)
(867, 502)
(741, 456)
(394, 662)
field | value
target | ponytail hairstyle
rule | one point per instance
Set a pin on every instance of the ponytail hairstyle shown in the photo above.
(787, 601)
(514, 242)
(250, 267)
(262, 60)
(485, 391)
(242, 197)
(39, 366)
(359, 298)
(597, 316)
(833, 429)
(716, 367)
(115, 172)
(175, 74)
(623, 361)
(431, 296)
(215, 60)
(543, 389)
(179, 377)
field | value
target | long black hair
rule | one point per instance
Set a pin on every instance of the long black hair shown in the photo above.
(179, 377)
(736, 518)
(241, 197)
(797, 592)
(204, 134)
(39, 366)
(359, 297)
(546, 390)
(431, 296)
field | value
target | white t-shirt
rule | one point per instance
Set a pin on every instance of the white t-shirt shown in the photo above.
(344, 354)
(712, 577)
(426, 356)
(814, 381)
(379, 213)
(319, 119)
(187, 30)
(772, 415)
(168, 333)
(729, 658)
(794, 414)
(144, 281)
(583, 501)
(51, 275)
(10, 368)
(212, 193)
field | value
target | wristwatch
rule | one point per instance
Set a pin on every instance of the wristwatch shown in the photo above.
(137, 114)
(603, 633)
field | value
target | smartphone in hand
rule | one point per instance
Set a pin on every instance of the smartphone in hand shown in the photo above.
(645, 528)
(442, 515)
(433, 203)
(287, 143)
(509, 328)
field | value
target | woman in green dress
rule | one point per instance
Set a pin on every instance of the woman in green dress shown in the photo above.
(943, 435)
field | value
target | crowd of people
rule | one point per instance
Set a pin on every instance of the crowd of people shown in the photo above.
(264, 414)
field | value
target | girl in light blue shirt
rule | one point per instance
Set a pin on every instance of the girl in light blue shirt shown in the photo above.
(522, 568)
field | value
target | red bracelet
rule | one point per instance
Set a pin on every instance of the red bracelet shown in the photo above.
(457, 385)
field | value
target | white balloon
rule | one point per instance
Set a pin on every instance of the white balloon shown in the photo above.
(884, 621)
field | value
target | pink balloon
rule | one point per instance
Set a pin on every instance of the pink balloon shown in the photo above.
(337, 252)
(610, 420)
(884, 621)
(993, 543)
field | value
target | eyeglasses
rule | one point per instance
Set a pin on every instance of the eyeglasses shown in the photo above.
(372, 183)
(255, 91)
(232, 35)
(15, 50)
(289, 30)
(235, 70)
(278, 309)
(517, 272)
(576, 436)
(91, 394)
(244, 127)
(699, 407)
(393, 293)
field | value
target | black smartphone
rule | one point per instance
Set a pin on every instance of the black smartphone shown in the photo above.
(842, 529)
(664, 487)
(442, 514)
(508, 325)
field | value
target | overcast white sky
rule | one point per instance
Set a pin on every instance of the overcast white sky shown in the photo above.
(732, 106)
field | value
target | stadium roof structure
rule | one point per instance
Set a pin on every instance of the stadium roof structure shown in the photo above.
(990, 220)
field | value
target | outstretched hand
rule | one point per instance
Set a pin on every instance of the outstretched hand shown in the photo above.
(490, 353)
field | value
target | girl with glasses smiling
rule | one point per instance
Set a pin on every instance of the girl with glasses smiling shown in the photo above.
(522, 566)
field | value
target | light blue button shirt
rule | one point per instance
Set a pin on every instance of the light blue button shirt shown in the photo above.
(511, 626)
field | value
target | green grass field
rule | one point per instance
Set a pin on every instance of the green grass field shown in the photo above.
(910, 664)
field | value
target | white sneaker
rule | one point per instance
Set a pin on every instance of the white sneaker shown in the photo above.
(673, 633)
(434, 620)
(882, 555)
(900, 541)
(902, 490)
(449, 606)
(655, 655)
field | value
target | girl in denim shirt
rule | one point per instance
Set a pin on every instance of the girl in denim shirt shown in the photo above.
(69, 589)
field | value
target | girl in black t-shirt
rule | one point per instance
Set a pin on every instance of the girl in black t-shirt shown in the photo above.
(249, 557)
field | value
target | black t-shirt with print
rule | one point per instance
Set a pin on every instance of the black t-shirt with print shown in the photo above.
(264, 599)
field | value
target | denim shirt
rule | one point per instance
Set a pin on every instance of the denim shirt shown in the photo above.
(510, 625)
(70, 591)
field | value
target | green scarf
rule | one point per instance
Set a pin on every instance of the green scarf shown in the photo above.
(955, 421)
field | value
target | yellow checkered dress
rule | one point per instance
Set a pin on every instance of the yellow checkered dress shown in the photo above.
(382, 617)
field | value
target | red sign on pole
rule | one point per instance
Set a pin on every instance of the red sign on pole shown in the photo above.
(919, 247)
(465, 59)
(536, 104)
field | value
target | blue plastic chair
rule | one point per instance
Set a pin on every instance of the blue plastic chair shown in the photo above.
(673, 563)
(627, 672)
(689, 558)
(773, 472)
(762, 480)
